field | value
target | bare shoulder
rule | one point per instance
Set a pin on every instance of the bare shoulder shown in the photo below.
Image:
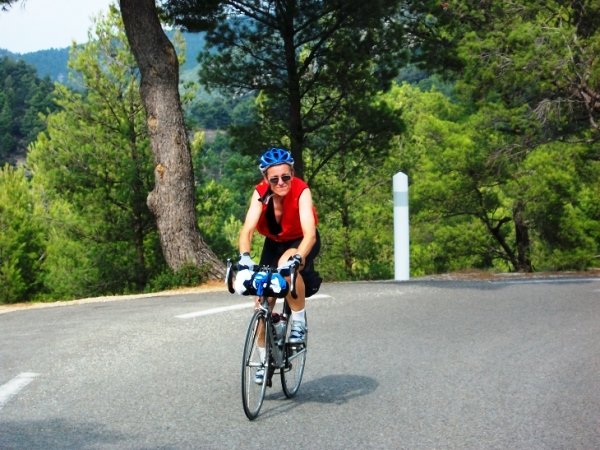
(306, 197)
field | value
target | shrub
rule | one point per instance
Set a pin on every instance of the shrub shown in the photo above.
(187, 275)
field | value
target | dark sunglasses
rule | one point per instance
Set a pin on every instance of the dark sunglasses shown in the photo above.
(284, 178)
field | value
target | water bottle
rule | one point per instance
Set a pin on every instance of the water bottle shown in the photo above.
(280, 323)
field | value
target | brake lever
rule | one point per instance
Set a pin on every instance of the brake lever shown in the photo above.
(229, 276)
(294, 270)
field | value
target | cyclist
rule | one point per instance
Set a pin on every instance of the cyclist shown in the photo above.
(282, 210)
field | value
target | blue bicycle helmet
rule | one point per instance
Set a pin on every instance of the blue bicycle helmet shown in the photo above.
(275, 156)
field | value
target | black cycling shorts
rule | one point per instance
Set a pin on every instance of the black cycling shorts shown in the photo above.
(272, 251)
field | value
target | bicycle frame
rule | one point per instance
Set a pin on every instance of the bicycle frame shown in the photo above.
(278, 354)
(262, 330)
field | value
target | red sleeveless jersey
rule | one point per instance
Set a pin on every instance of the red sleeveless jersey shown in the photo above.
(291, 227)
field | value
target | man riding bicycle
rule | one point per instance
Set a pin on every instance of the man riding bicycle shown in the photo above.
(282, 210)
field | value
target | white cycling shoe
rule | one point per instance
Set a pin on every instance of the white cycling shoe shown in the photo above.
(298, 333)
(259, 376)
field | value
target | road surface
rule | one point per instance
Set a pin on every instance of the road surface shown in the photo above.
(411, 365)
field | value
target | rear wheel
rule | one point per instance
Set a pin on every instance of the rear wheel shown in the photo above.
(253, 393)
(291, 375)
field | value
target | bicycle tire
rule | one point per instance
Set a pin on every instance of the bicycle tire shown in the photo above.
(295, 356)
(253, 394)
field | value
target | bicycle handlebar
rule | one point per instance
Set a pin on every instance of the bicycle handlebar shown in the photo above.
(293, 275)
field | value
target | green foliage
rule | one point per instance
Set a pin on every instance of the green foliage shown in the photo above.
(188, 275)
(478, 200)
(502, 155)
(224, 180)
(555, 186)
(538, 59)
(22, 237)
(311, 66)
(70, 269)
(51, 62)
(362, 247)
(94, 163)
(23, 96)
(221, 114)
(213, 115)
(351, 192)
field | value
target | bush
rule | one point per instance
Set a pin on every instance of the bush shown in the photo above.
(22, 237)
(187, 275)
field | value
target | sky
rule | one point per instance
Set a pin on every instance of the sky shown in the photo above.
(44, 24)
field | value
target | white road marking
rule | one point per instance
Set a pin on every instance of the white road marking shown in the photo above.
(208, 312)
(8, 390)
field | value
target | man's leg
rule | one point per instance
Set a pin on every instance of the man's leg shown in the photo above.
(298, 317)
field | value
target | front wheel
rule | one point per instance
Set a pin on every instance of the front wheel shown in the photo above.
(291, 374)
(252, 392)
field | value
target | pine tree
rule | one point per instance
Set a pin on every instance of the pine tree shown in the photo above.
(312, 61)
(94, 162)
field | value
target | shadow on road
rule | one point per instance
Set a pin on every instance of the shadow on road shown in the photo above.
(336, 389)
(332, 389)
(59, 433)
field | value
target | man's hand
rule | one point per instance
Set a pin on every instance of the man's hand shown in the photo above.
(246, 262)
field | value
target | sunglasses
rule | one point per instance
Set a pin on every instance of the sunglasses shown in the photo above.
(284, 178)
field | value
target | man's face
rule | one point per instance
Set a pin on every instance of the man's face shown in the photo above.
(275, 175)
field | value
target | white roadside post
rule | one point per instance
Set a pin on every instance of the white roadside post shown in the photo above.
(401, 242)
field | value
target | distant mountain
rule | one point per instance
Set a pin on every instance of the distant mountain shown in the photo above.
(53, 62)
(4, 52)
(23, 95)
(194, 44)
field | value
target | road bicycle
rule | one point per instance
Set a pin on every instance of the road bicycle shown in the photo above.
(266, 331)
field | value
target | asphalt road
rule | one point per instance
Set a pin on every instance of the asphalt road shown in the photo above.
(416, 365)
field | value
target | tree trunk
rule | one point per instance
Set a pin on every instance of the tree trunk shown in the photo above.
(522, 239)
(347, 250)
(172, 199)
(509, 255)
(294, 97)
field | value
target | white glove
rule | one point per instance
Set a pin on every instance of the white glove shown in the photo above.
(246, 262)
(240, 278)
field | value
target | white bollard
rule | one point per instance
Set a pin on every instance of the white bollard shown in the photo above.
(401, 231)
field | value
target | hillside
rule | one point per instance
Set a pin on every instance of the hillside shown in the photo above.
(53, 62)
(23, 95)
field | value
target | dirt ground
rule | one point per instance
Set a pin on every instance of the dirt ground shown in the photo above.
(490, 276)
(211, 286)
(216, 286)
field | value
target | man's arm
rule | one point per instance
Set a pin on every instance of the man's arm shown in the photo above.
(307, 221)
(252, 218)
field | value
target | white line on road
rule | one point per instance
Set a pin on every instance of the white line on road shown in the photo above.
(11, 388)
(208, 312)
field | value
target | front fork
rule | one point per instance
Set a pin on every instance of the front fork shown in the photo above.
(276, 358)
